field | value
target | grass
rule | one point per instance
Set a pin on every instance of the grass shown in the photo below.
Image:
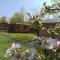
(2, 32)
(23, 37)
(3, 48)
(5, 43)
(19, 35)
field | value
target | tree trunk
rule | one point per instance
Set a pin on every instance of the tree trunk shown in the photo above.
(38, 32)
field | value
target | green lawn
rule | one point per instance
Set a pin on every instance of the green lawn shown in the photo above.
(23, 37)
(5, 42)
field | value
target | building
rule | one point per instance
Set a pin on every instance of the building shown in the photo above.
(19, 28)
(3, 27)
(50, 21)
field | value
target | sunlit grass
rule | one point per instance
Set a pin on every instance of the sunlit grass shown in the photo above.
(23, 37)
(5, 42)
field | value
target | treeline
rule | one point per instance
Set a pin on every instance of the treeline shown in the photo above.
(18, 17)
(24, 17)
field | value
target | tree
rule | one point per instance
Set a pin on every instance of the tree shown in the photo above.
(28, 22)
(17, 18)
(56, 4)
(3, 19)
(37, 19)
(36, 23)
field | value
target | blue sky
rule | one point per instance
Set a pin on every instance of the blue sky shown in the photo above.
(9, 7)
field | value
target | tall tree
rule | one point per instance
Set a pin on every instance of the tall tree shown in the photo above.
(36, 23)
(17, 18)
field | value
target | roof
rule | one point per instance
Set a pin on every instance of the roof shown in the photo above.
(51, 21)
(54, 18)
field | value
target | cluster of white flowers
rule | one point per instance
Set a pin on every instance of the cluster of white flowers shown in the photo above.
(49, 43)
(57, 3)
(11, 50)
(8, 53)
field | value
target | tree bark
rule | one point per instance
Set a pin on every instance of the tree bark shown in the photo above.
(38, 32)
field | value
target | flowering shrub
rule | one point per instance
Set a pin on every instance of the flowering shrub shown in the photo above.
(48, 49)
(54, 31)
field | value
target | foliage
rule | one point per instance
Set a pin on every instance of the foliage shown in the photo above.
(51, 54)
(5, 42)
(46, 42)
(40, 52)
(55, 0)
(22, 48)
(3, 19)
(51, 31)
(28, 37)
(28, 22)
(37, 24)
(54, 31)
(51, 9)
(17, 18)
(57, 29)
(48, 54)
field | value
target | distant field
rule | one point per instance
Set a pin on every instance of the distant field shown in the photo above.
(5, 41)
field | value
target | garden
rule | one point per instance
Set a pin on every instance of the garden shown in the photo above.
(7, 39)
(29, 46)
